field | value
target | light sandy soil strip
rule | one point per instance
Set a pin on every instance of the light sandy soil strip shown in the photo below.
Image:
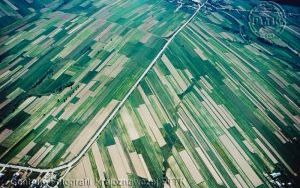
(216, 108)
(105, 32)
(177, 172)
(209, 165)
(129, 124)
(241, 181)
(71, 108)
(102, 65)
(87, 90)
(191, 122)
(210, 107)
(266, 151)
(246, 168)
(47, 160)
(24, 151)
(64, 69)
(150, 107)
(117, 163)
(88, 170)
(148, 24)
(238, 64)
(281, 137)
(171, 88)
(188, 161)
(145, 167)
(113, 70)
(206, 84)
(173, 83)
(76, 28)
(51, 125)
(213, 114)
(37, 104)
(138, 165)
(267, 99)
(228, 117)
(40, 155)
(4, 134)
(227, 35)
(15, 93)
(252, 99)
(172, 183)
(4, 103)
(117, 67)
(81, 175)
(38, 40)
(36, 156)
(90, 129)
(149, 131)
(237, 183)
(194, 27)
(27, 102)
(5, 73)
(122, 155)
(276, 80)
(148, 121)
(214, 19)
(161, 111)
(181, 124)
(145, 38)
(189, 74)
(248, 145)
(174, 72)
(201, 54)
(99, 161)
(53, 33)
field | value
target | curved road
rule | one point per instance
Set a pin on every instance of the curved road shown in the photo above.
(71, 163)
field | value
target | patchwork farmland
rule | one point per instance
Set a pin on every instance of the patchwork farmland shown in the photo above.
(63, 74)
(206, 115)
(217, 109)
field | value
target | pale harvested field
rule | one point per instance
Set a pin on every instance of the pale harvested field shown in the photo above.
(24, 151)
(118, 163)
(255, 180)
(138, 165)
(148, 120)
(88, 132)
(4, 134)
(129, 123)
(81, 175)
(194, 171)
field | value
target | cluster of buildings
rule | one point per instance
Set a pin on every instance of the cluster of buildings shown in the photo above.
(20, 179)
(279, 180)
